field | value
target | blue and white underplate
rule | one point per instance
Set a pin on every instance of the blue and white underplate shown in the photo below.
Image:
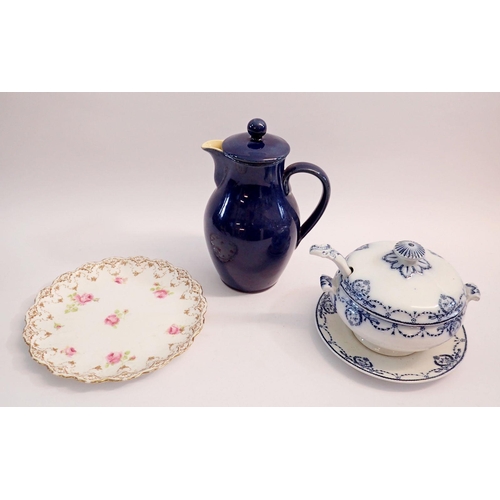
(419, 367)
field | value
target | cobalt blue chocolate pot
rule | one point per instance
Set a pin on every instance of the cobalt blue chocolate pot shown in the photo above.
(252, 223)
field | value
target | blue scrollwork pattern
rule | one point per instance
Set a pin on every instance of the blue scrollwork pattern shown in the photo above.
(357, 298)
(405, 269)
(363, 362)
(442, 363)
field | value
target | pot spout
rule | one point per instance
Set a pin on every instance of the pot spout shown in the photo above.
(214, 147)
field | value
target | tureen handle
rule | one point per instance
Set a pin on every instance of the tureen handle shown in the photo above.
(472, 292)
(326, 283)
(328, 252)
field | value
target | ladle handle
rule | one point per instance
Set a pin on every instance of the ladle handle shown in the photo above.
(308, 168)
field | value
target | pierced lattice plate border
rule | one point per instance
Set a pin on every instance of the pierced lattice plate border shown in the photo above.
(115, 320)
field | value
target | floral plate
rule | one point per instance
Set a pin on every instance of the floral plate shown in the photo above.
(418, 367)
(115, 320)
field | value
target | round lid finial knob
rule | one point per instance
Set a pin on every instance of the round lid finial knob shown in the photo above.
(257, 128)
(409, 250)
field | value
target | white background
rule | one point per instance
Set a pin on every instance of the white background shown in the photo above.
(89, 176)
(82, 178)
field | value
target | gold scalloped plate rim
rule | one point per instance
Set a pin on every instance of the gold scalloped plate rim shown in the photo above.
(202, 306)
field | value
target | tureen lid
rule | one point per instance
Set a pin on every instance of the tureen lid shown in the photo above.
(256, 146)
(404, 282)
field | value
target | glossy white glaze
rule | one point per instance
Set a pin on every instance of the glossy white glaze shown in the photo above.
(398, 298)
(115, 320)
(418, 293)
(418, 367)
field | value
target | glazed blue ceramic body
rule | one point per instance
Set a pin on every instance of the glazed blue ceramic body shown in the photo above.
(251, 227)
(251, 220)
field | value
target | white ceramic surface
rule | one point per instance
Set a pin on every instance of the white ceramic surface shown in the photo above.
(397, 297)
(415, 368)
(115, 320)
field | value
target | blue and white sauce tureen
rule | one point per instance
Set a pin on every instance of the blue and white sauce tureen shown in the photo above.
(397, 297)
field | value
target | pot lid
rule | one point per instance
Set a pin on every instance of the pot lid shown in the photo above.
(256, 146)
(403, 282)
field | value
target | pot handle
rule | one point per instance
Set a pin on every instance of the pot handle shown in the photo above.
(308, 168)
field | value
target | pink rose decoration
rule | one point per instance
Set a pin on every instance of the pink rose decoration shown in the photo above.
(114, 357)
(174, 330)
(69, 351)
(84, 298)
(112, 320)
(119, 280)
(161, 293)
